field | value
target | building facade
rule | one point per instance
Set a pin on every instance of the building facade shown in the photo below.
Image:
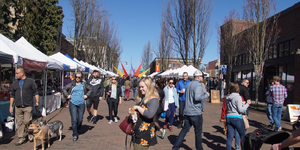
(283, 60)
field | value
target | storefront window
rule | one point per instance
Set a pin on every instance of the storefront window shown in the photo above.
(286, 48)
(292, 47)
(244, 59)
(281, 50)
(247, 58)
(290, 77)
(174, 65)
(275, 52)
(270, 53)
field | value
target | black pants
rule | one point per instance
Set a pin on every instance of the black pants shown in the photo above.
(112, 106)
(181, 109)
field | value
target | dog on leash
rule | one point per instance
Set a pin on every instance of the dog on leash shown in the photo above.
(55, 127)
(39, 133)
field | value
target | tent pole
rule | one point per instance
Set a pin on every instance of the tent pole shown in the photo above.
(62, 79)
(45, 91)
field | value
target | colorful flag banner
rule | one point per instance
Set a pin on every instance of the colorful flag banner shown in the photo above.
(123, 69)
(119, 72)
(143, 73)
(138, 70)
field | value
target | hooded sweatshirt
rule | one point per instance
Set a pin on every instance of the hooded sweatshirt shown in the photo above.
(235, 106)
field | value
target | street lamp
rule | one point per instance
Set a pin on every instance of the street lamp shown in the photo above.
(205, 67)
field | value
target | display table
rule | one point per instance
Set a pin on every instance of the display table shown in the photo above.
(4, 110)
(53, 102)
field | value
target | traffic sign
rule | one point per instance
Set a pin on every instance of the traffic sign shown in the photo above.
(224, 69)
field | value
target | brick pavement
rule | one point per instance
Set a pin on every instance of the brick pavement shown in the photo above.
(105, 136)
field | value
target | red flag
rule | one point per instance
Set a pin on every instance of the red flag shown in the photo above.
(123, 69)
(138, 70)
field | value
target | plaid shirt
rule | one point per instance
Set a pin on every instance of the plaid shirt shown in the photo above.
(279, 93)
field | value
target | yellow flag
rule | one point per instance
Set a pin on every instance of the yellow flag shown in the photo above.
(119, 72)
(140, 75)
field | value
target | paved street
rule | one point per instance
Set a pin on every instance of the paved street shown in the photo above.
(105, 136)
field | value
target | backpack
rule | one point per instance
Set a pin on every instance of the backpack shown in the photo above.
(255, 139)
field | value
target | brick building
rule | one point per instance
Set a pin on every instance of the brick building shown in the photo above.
(172, 63)
(282, 61)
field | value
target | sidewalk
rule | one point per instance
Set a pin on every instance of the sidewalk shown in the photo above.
(105, 136)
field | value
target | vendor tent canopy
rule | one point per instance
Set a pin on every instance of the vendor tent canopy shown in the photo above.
(30, 61)
(6, 58)
(51, 63)
(153, 74)
(86, 69)
(62, 58)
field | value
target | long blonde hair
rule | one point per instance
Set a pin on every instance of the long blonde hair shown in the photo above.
(150, 93)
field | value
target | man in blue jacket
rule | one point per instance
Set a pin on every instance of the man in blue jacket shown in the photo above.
(181, 88)
(192, 111)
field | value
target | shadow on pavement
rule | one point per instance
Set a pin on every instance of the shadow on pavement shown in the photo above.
(216, 140)
(7, 137)
(172, 139)
(219, 129)
(99, 117)
(85, 128)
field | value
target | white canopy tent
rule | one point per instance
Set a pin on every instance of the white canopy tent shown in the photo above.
(179, 72)
(12, 48)
(153, 74)
(64, 59)
(166, 73)
(51, 63)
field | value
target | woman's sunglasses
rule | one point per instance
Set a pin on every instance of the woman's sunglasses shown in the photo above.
(78, 77)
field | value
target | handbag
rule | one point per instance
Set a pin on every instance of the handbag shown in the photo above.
(126, 125)
(246, 122)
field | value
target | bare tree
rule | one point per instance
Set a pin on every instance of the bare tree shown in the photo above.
(164, 50)
(178, 19)
(200, 21)
(147, 55)
(261, 37)
(81, 10)
(229, 40)
(188, 23)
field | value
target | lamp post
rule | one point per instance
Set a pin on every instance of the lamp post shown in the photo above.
(205, 67)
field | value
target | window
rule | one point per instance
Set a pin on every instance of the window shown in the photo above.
(247, 58)
(281, 50)
(270, 56)
(244, 59)
(292, 47)
(286, 48)
(170, 65)
(174, 65)
(275, 52)
(178, 65)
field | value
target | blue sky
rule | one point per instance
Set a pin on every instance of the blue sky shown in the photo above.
(138, 21)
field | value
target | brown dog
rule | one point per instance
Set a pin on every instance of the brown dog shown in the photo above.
(40, 133)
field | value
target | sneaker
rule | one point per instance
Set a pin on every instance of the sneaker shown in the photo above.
(116, 119)
(95, 121)
(20, 142)
(270, 127)
(170, 129)
(279, 129)
(163, 133)
(92, 119)
(89, 117)
(165, 126)
(75, 138)
(237, 147)
(110, 121)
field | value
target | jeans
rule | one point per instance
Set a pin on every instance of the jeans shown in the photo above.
(181, 109)
(197, 122)
(170, 113)
(123, 90)
(276, 111)
(269, 113)
(237, 137)
(134, 90)
(232, 125)
(76, 112)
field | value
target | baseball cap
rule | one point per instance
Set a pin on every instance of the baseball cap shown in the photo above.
(198, 73)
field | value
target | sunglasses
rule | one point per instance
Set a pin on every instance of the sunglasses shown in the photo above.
(171, 82)
(77, 77)
(113, 79)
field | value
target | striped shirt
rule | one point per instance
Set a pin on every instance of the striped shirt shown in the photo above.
(279, 93)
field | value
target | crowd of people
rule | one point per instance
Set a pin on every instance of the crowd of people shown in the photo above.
(151, 100)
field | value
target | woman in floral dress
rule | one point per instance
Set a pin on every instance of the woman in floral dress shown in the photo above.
(146, 105)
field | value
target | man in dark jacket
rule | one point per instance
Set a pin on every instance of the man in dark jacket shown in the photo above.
(244, 91)
(134, 85)
(97, 87)
(22, 92)
(122, 81)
